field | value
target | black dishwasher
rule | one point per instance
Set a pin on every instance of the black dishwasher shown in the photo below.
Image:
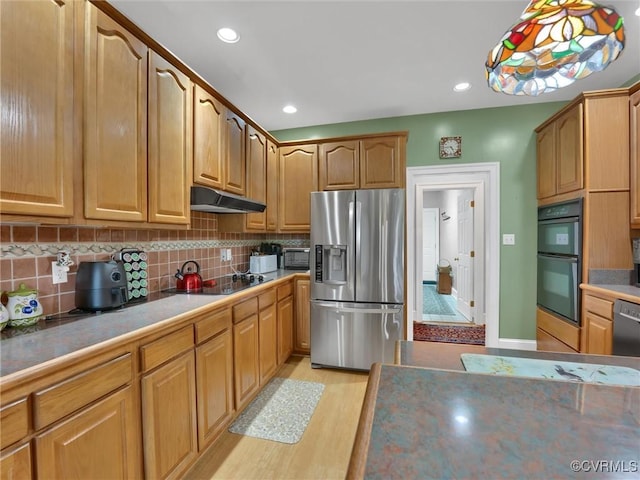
(626, 328)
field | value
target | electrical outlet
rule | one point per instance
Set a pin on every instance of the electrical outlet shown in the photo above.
(223, 255)
(229, 256)
(508, 239)
(58, 273)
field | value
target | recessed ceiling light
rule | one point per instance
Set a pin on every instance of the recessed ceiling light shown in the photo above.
(461, 87)
(228, 35)
(638, 12)
(289, 109)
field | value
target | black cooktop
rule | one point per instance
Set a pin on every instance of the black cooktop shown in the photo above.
(228, 284)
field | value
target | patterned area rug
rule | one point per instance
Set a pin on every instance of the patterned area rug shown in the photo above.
(473, 335)
(433, 303)
(280, 412)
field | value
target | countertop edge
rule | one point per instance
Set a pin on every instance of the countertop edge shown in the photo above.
(15, 379)
(623, 292)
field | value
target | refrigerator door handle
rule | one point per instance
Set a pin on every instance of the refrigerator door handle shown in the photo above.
(334, 282)
(386, 311)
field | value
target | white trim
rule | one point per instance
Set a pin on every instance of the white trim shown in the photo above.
(517, 344)
(485, 177)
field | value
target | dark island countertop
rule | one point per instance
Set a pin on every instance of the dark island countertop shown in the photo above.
(443, 422)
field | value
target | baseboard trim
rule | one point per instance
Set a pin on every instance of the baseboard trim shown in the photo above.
(516, 343)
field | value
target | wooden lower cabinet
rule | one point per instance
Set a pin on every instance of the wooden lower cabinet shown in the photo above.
(597, 325)
(302, 342)
(214, 382)
(554, 334)
(169, 421)
(101, 441)
(549, 343)
(268, 335)
(246, 361)
(285, 329)
(16, 464)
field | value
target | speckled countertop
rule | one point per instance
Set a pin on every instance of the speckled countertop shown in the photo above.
(624, 292)
(428, 423)
(44, 343)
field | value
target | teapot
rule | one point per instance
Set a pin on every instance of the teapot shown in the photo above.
(24, 307)
(189, 281)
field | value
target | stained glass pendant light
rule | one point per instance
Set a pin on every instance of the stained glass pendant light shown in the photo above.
(556, 43)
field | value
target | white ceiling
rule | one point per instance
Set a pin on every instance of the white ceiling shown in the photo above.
(340, 61)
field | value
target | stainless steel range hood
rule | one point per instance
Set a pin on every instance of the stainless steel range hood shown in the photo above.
(205, 199)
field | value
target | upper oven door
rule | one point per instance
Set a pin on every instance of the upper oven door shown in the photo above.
(559, 236)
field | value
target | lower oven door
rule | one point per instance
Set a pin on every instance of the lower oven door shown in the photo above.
(558, 285)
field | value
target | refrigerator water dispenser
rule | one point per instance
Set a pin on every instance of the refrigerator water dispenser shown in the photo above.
(331, 264)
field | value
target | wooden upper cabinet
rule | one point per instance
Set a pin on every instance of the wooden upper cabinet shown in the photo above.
(115, 121)
(546, 165)
(559, 153)
(339, 165)
(234, 158)
(272, 186)
(256, 165)
(208, 139)
(634, 138)
(375, 162)
(36, 93)
(569, 157)
(170, 142)
(298, 177)
(382, 162)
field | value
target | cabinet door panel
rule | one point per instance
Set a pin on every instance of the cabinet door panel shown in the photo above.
(285, 329)
(234, 168)
(99, 442)
(634, 122)
(16, 464)
(303, 314)
(272, 186)
(36, 94)
(339, 166)
(208, 143)
(170, 142)
(256, 178)
(214, 370)
(169, 417)
(268, 342)
(115, 159)
(246, 361)
(298, 177)
(546, 165)
(599, 334)
(381, 165)
(569, 163)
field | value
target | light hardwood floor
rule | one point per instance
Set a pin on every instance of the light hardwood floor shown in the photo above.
(322, 453)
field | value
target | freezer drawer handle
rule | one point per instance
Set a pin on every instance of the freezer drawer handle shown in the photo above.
(334, 282)
(386, 311)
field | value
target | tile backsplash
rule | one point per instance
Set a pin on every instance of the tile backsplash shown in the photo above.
(28, 250)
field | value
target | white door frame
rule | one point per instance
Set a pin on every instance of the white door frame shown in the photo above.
(436, 225)
(485, 178)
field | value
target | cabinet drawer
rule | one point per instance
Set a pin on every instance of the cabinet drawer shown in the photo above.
(165, 348)
(285, 290)
(601, 307)
(215, 323)
(14, 419)
(559, 329)
(266, 299)
(244, 309)
(55, 402)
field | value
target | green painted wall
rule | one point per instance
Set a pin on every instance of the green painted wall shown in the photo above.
(505, 135)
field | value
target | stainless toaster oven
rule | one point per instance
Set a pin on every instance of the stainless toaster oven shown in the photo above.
(295, 258)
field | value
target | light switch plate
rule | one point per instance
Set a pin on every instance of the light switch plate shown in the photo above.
(508, 239)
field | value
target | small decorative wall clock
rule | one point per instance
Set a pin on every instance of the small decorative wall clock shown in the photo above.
(450, 147)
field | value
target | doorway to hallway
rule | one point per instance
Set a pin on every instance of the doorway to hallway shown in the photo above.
(483, 277)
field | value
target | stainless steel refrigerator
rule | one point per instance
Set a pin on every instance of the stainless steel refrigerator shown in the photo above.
(357, 277)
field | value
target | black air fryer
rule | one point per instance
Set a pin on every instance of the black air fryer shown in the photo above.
(100, 286)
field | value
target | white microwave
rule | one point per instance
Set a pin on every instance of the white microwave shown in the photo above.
(295, 258)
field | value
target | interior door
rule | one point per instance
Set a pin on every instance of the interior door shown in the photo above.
(464, 280)
(430, 243)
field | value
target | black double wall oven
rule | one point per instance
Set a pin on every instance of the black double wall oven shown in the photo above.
(560, 259)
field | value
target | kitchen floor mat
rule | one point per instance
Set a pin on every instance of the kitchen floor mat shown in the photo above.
(551, 369)
(281, 411)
